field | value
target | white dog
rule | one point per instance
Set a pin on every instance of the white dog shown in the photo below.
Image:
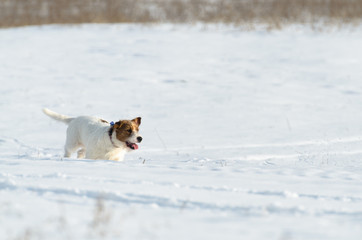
(95, 138)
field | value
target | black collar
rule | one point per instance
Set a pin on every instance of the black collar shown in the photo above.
(110, 132)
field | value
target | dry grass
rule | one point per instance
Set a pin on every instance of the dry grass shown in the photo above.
(274, 13)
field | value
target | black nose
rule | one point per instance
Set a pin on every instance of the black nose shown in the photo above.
(139, 139)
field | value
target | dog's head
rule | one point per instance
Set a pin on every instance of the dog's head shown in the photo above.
(126, 131)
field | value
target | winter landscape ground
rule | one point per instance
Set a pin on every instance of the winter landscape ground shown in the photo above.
(247, 135)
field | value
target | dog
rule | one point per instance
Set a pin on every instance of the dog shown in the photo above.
(95, 138)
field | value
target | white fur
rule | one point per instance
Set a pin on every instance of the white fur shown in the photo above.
(90, 135)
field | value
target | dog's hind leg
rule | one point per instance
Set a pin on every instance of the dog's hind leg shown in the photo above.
(67, 153)
(71, 145)
(69, 150)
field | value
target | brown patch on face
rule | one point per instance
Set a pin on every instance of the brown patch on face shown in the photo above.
(124, 129)
(103, 121)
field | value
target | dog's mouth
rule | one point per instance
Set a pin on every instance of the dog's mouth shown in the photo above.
(132, 146)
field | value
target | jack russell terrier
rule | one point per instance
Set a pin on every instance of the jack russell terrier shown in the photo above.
(95, 138)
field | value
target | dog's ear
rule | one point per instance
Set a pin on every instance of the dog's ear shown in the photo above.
(117, 124)
(137, 121)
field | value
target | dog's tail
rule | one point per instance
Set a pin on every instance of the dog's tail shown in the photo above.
(57, 116)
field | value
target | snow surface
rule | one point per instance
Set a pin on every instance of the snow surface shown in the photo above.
(247, 135)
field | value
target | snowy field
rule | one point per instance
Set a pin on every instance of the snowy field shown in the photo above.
(247, 135)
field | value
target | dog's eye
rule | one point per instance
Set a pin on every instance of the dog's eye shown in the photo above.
(129, 130)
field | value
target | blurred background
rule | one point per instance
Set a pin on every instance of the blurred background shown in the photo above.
(273, 13)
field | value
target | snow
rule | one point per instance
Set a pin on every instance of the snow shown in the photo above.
(247, 134)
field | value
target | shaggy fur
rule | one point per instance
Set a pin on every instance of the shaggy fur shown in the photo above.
(95, 138)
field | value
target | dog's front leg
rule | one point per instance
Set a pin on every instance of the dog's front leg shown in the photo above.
(81, 153)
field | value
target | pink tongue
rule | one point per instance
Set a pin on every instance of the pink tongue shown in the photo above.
(134, 146)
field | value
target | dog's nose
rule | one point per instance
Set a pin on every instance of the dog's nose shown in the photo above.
(139, 139)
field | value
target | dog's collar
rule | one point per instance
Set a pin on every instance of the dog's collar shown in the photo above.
(110, 132)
